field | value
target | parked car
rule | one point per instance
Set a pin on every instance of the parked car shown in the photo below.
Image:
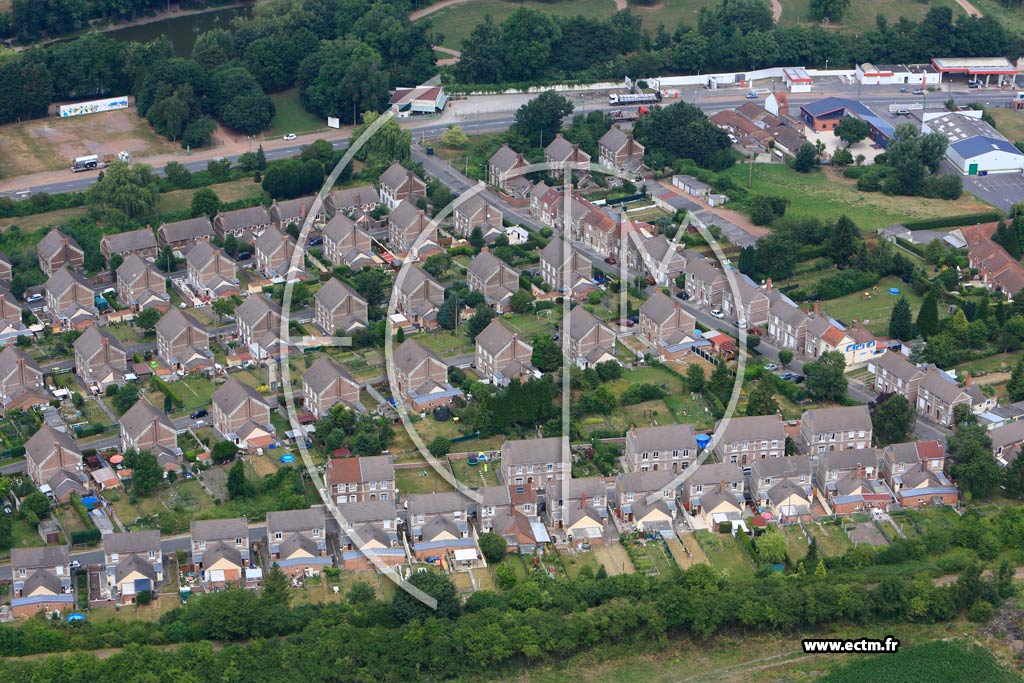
(792, 377)
(34, 297)
(316, 241)
(199, 413)
(611, 260)
(75, 564)
(626, 322)
(904, 89)
(717, 313)
(243, 256)
(902, 112)
(973, 85)
(290, 136)
(771, 367)
(685, 296)
(751, 95)
(919, 91)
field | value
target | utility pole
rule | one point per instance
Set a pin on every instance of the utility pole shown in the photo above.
(750, 172)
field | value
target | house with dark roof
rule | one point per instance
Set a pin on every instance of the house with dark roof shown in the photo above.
(835, 429)
(504, 171)
(276, 256)
(787, 324)
(561, 151)
(1007, 441)
(220, 551)
(705, 284)
(147, 428)
(422, 377)
(256, 316)
(346, 244)
(591, 341)
(566, 269)
(140, 242)
(70, 299)
(438, 524)
(658, 257)
(297, 541)
(242, 416)
(511, 512)
(633, 504)
(502, 356)
(398, 184)
(939, 394)
(360, 480)
(915, 473)
(849, 481)
(535, 462)
(183, 343)
(212, 274)
(10, 309)
(474, 212)
(245, 225)
(546, 203)
(326, 383)
(617, 149)
(665, 447)
(578, 507)
(21, 381)
(362, 197)
(133, 563)
(180, 235)
(141, 286)
(57, 250)
(894, 374)
(41, 581)
(100, 359)
(663, 321)
(368, 537)
(283, 214)
(51, 454)
(418, 296)
(997, 270)
(494, 278)
(752, 306)
(338, 308)
(410, 227)
(746, 439)
(792, 502)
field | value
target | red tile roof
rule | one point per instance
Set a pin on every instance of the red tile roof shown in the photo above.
(343, 471)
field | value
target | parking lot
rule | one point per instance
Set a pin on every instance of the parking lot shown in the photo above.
(1002, 190)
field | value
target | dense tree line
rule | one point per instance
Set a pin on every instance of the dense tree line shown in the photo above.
(732, 35)
(32, 19)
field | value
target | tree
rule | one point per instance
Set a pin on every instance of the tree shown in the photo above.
(771, 546)
(448, 313)
(176, 172)
(131, 190)
(148, 319)
(695, 377)
(147, 474)
(261, 158)
(224, 307)
(36, 503)
(1013, 478)
(901, 322)
(276, 593)
(439, 447)
(493, 547)
(238, 485)
(682, 131)
(1015, 385)
(974, 468)
(360, 593)
(892, 419)
(547, 356)
(843, 242)
(762, 399)
(407, 607)
(540, 119)
(290, 178)
(480, 320)
(223, 451)
(825, 378)
(842, 157)
(851, 129)
(785, 356)
(521, 302)
(125, 398)
(390, 143)
(476, 237)
(438, 264)
(928, 314)
(454, 137)
(806, 158)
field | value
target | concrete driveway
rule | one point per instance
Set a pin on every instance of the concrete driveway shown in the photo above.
(1002, 190)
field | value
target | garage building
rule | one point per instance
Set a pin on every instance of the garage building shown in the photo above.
(976, 67)
(975, 147)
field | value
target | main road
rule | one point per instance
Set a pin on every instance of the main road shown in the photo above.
(496, 121)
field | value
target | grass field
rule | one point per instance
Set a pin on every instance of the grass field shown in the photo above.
(872, 312)
(456, 22)
(948, 662)
(50, 144)
(179, 200)
(796, 544)
(290, 117)
(826, 195)
(862, 14)
(832, 540)
(1009, 122)
(1000, 362)
(724, 553)
(413, 480)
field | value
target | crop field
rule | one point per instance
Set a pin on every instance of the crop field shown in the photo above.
(947, 662)
(50, 144)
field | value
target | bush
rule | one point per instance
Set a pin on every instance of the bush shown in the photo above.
(953, 221)
(87, 537)
(725, 527)
(981, 612)
(845, 282)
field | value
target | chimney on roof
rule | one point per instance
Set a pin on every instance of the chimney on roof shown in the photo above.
(817, 308)
(968, 380)
(768, 284)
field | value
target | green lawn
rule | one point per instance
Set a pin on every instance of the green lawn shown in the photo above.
(832, 540)
(290, 117)
(180, 200)
(575, 562)
(413, 480)
(796, 544)
(825, 194)
(456, 22)
(999, 362)
(873, 311)
(1009, 122)
(194, 392)
(862, 14)
(724, 553)
(475, 476)
(446, 343)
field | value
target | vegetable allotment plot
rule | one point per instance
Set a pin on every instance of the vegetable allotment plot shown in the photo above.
(937, 661)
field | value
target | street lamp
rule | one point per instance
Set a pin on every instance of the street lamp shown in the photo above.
(826, 65)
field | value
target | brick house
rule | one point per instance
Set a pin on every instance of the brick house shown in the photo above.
(57, 250)
(502, 356)
(41, 581)
(398, 184)
(212, 274)
(848, 481)
(591, 342)
(504, 172)
(347, 244)
(915, 473)
(360, 480)
(326, 383)
(181, 234)
(418, 296)
(617, 149)
(245, 225)
(220, 551)
(835, 429)
(297, 541)
(491, 276)
(422, 377)
(338, 308)
(746, 439)
(666, 447)
(133, 563)
(242, 416)
(139, 242)
(100, 358)
(183, 343)
(534, 462)
(141, 286)
(474, 212)
(663, 321)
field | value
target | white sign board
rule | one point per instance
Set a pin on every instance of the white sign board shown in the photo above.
(93, 107)
(333, 122)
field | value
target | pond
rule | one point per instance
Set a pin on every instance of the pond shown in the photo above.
(181, 30)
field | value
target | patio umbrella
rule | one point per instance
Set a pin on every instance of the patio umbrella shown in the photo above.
(116, 460)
